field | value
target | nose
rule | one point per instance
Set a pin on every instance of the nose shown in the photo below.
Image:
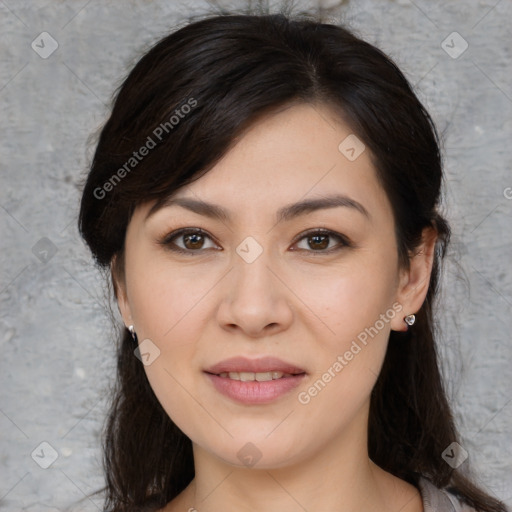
(255, 299)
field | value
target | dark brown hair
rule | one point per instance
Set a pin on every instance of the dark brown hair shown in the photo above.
(216, 76)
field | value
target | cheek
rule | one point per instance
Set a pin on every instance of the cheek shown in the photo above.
(170, 311)
(349, 299)
(163, 297)
(170, 306)
(358, 309)
(356, 306)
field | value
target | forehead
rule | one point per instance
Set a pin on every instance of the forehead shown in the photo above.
(299, 152)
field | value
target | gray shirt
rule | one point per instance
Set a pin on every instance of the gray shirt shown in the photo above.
(440, 500)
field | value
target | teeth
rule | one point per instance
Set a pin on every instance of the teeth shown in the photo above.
(250, 376)
(264, 376)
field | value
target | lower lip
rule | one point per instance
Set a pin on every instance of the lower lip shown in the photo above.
(254, 392)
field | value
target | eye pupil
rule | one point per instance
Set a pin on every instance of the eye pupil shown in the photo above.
(196, 239)
(323, 243)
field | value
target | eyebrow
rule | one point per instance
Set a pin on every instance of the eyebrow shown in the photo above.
(285, 213)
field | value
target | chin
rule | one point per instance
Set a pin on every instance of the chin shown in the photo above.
(254, 450)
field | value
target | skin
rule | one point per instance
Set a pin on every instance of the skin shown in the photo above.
(293, 302)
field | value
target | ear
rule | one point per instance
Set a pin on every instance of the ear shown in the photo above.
(415, 280)
(118, 282)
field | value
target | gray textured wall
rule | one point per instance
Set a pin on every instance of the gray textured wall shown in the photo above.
(55, 333)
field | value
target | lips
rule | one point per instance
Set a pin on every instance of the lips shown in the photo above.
(255, 381)
(244, 367)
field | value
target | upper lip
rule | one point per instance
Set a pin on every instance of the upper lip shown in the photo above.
(260, 365)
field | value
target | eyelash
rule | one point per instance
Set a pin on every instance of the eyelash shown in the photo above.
(166, 241)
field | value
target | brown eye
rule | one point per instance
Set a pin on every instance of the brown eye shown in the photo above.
(319, 241)
(192, 240)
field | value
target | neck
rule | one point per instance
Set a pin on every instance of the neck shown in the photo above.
(339, 477)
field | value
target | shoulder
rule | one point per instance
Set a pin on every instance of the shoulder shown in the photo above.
(440, 500)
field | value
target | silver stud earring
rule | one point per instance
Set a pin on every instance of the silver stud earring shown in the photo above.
(410, 319)
(132, 331)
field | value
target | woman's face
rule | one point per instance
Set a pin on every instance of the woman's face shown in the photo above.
(261, 285)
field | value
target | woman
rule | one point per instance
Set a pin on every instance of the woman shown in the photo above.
(265, 194)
